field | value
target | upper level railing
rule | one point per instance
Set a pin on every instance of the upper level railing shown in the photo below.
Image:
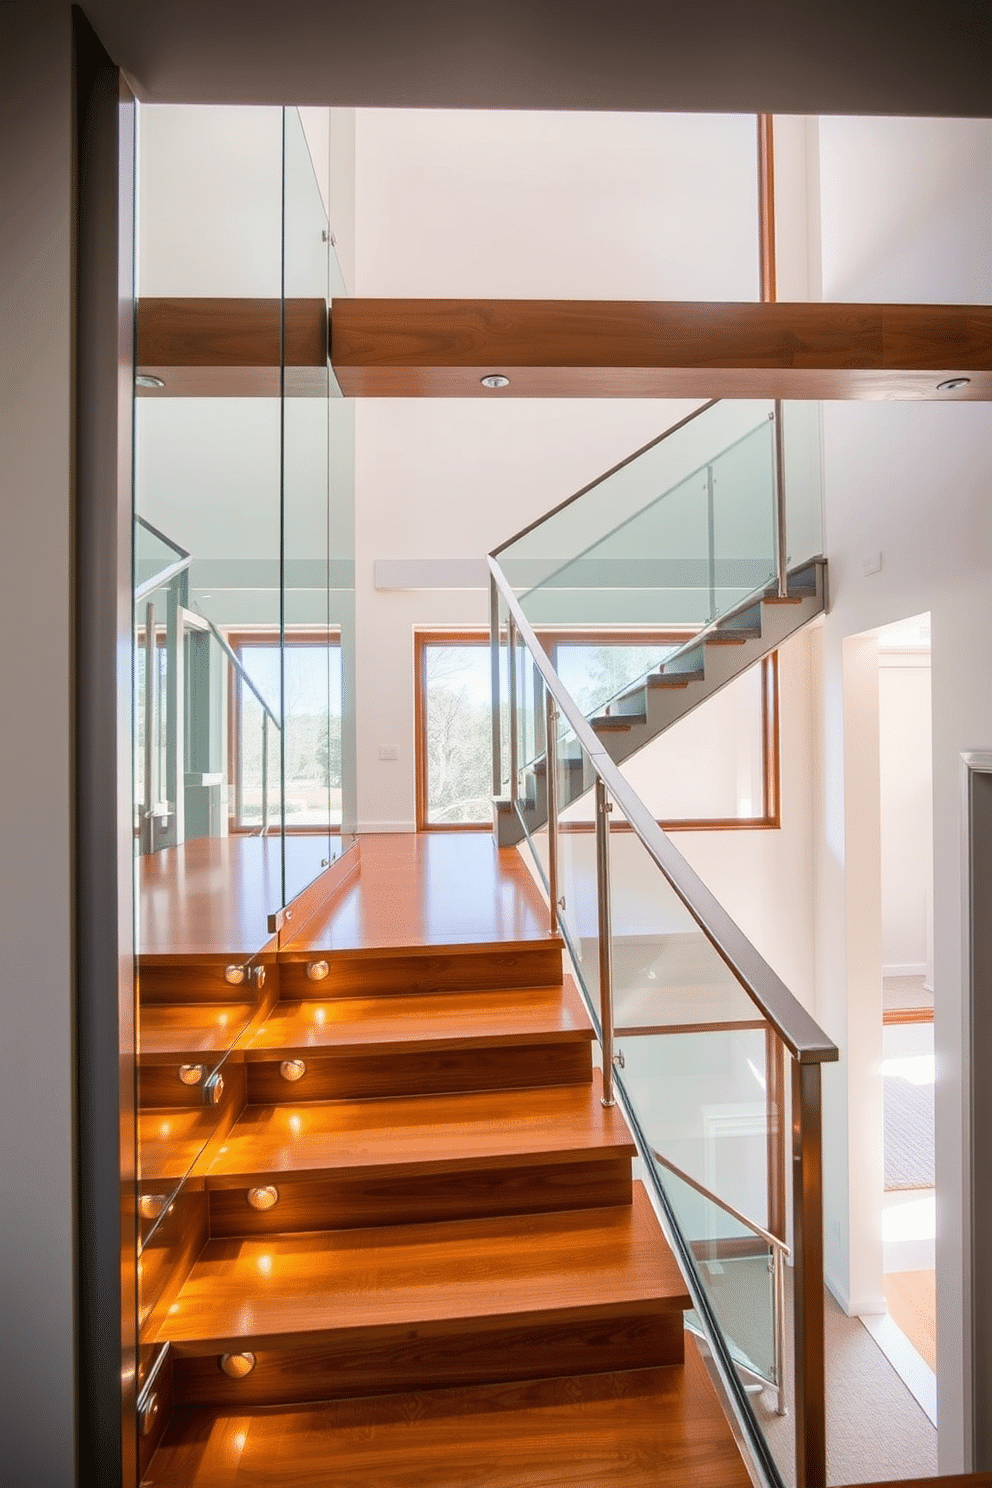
(695, 1026)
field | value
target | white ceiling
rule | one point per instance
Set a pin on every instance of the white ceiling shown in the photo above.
(846, 56)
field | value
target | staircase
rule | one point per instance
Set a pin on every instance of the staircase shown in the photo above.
(425, 1260)
(700, 668)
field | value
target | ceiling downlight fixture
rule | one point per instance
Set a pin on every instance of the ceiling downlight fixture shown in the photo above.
(953, 384)
(495, 380)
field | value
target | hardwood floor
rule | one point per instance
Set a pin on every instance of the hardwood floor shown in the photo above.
(419, 1239)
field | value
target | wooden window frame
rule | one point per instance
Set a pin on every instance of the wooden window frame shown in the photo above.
(262, 635)
(771, 816)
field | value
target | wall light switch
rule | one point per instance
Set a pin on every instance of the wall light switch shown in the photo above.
(871, 564)
(388, 752)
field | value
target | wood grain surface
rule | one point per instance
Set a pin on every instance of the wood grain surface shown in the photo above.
(420, 1022)
(638, 349)
(367, 1075)
(452, 1277)
(648, 1428)
(381, 1361)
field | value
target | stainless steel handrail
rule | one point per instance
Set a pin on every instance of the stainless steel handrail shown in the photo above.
(155, 532)
(742, 1219)
(235, 661)
(162, 578)
(799, 1032)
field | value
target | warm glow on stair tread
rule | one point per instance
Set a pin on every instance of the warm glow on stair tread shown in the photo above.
(646, 1428)
(591, 1261)
(433, 1131)
(424, 1021)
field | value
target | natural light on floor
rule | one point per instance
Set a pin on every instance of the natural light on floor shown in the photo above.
(918, 1069)
(912, 1220)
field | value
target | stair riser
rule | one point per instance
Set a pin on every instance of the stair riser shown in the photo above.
(323, 1203)
(362, 1076)
(351, 975)
(204, 983)
(413, 1358)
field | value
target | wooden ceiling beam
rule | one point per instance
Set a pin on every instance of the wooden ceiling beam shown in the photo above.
(400, 348)
(393, 348)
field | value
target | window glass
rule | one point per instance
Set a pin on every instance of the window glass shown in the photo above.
(312, 735)
(457, 733)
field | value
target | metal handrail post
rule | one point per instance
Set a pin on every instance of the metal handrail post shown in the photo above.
(781, 529)
(151, 734)
(603, 809)
(265, 774)
(551, 775)
(778, 1325)
(511, 655)
(807, 1199)
(497, 729)
(711, 541)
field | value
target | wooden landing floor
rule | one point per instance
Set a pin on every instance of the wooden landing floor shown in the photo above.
(213, 895)
(430, 889)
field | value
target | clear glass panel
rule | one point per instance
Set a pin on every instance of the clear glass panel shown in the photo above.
(666, 972)
(679, 534)
(310, 681)
(803, 487)
(594, 672)
(504, 693)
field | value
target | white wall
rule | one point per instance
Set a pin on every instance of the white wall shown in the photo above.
(528, 205)
(37, 1083)
(904, 207)
(904, 734)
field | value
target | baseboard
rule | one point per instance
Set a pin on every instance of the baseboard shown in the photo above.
(915, 1372)
(368, 827)
(909, 969)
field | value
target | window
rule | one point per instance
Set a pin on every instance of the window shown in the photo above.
(715, 768)
(312, 732)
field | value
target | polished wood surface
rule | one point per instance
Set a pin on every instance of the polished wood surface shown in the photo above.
(466, 1131)
(439, 1277)
(640, 349)
(647, 1428)
(428, 889)
(192, 1028)
(214, 332)
(168, 1255)
(335, 1201)
(213, 895)
(380, 973)
(381, 1361)
(419, 1021)
(368, 1076)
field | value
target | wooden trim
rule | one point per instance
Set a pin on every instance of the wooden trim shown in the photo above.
(220, 333)
(770, 820)
(893, 1016)
(638, 349)
(766, 209)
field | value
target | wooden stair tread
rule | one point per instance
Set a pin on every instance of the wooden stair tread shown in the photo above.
(578, 1263)
(170, 1141)
(422, 1021)
(192, 1028)
(422, 1134)
(642, 1428)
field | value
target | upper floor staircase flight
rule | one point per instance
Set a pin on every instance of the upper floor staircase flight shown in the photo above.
(711, 534)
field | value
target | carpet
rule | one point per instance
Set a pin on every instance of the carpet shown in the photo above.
(908, 1133)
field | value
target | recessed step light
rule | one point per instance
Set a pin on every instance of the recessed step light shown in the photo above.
(495, 380)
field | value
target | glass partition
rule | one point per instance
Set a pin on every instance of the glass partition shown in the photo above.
(243, 695)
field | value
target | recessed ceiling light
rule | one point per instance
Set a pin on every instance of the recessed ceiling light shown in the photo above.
(952, 384)
(145, 380)
(495, 380)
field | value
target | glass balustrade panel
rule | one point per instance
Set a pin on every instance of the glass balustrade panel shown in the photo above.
(639, 545)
